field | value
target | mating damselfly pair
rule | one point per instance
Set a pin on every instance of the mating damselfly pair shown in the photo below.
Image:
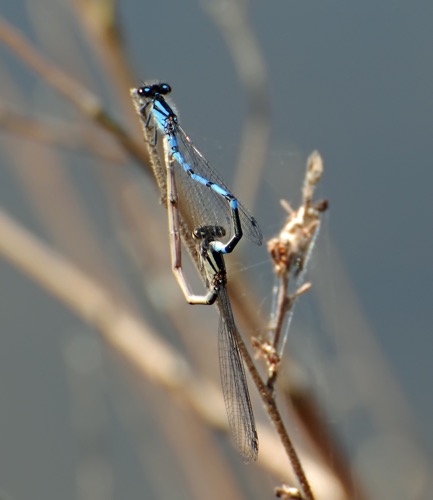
(217, 222)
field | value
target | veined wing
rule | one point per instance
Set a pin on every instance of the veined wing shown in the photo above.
(234, 383)
(207, 206)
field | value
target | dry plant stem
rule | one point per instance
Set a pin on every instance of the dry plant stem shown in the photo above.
(268, 399)
(294, 244)
(291, 249)
(87, 102)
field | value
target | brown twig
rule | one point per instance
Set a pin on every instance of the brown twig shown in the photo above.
(290, 252)
(268, 398)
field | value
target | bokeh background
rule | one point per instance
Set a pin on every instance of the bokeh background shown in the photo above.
(352, 80)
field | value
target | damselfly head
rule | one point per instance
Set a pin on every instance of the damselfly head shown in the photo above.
(150, 91)
(208, 233)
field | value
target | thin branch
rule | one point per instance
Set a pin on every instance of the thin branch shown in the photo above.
(268, 398)
(291, 251)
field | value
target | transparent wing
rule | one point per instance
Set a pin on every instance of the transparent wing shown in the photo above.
(299, 279)
(205, 205)
(234, 383)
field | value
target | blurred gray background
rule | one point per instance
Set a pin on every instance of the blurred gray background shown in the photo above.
(352, 80)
